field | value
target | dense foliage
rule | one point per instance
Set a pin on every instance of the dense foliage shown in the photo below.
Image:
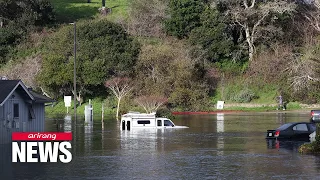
(20, 17)
(166, 70)
(103, 50)
(184, 16)
(214, 37)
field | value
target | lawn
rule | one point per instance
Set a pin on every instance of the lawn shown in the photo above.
(72, 10)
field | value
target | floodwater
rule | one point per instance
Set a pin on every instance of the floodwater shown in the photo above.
(229, 146)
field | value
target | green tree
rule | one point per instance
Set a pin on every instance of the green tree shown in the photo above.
(184, 16)
(20, 17)
(213, 37)
(103, 50)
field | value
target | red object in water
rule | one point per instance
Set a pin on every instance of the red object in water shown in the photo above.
(204, 112)
(277, 144)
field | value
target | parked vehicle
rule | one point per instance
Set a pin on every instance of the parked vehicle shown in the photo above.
(315, 116)
(295, 130)
(136, 120)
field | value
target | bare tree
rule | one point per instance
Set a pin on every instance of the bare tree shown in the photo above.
(146, 17)
(312, 14)
(303, 71)
(26, 70)
(120, 88)
(151, 103)
(251, 15)
(270, 64)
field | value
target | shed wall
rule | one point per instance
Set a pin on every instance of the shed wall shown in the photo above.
(23, 123)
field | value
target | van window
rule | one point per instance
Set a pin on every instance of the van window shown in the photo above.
(167, 123)
(143, 122)
(159, 123)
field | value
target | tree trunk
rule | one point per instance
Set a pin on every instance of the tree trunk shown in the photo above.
(250, 42)
(118, 107)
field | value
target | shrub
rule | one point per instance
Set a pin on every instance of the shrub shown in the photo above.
(184, 16)
(190, 99)
(244, 96)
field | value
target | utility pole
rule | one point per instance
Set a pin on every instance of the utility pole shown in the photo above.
(74, 72)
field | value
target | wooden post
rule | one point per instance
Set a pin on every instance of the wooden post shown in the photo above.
(102, 114)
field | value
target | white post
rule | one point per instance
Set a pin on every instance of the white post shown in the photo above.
(102, 112)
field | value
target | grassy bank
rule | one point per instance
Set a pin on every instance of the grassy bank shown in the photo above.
(109, 109)
(58, 108)
(108, 105)
(261, 106)
(73, 10)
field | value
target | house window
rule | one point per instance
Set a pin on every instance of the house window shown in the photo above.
(15, 110)
(31, 113)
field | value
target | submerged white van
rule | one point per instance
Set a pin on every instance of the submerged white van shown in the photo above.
(136, 120)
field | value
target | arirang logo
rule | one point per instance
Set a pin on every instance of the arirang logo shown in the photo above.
(41, 147)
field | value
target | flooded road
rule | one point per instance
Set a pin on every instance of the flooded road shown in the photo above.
(229, 146)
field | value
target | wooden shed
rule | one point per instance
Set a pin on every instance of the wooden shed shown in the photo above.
(21, 109)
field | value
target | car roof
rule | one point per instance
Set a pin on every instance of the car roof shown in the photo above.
(285, 126)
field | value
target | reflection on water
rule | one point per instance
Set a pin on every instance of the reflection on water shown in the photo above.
(223, 146)
(284, 145)
(220, 130)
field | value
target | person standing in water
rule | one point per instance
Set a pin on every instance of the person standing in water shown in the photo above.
(280, 103)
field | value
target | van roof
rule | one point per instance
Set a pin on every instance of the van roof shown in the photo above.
(137, 114)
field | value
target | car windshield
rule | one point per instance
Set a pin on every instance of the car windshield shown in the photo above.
(285, 126)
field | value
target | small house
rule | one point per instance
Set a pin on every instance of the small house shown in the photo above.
(21, 109)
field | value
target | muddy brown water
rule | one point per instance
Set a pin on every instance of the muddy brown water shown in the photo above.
(229, 146)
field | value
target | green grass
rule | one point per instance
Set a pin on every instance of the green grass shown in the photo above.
(266, 95)
(72, 10)
(109, 105)
(59, 108)
(253, 109)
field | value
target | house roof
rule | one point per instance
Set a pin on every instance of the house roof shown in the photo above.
(40, 98)
(7, 87)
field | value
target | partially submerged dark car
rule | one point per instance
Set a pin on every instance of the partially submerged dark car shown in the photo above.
(295, 130)
(315, 116)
